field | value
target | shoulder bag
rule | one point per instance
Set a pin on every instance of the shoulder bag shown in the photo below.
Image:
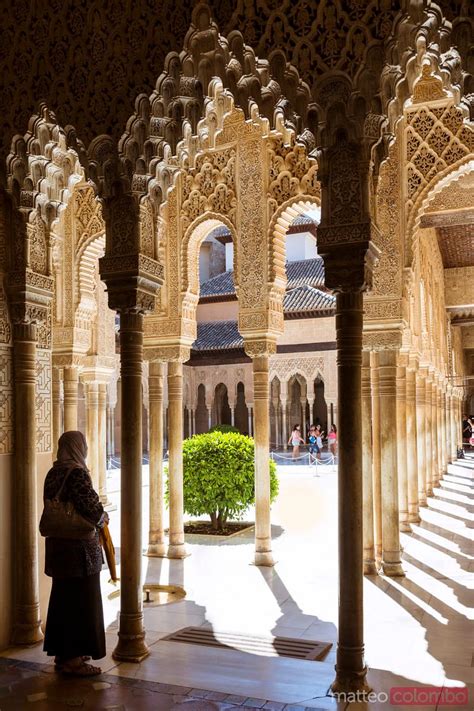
(61, 520)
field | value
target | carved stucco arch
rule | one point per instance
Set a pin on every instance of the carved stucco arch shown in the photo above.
(87, 259)
(279, 224)
(457, 177)
(449, 175)
(194, 236)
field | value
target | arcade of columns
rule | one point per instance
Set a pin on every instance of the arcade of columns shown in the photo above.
(173, 180)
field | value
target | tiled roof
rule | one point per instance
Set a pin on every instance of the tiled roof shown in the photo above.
(217, 336)
(304, 272)
(224, 335)
(307, 298)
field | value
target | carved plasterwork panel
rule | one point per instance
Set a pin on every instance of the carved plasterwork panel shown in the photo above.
(437, 136)
(6, 400)
(43, 400)
(459, 286)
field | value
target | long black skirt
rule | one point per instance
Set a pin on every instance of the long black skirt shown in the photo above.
(75, 622)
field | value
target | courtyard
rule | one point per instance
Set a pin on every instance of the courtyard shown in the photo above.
(418, 629)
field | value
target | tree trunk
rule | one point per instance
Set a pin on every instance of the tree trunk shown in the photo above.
(214, 521)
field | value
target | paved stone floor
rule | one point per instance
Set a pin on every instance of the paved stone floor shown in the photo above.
(418, 629)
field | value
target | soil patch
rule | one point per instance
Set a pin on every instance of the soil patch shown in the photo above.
(205, 528)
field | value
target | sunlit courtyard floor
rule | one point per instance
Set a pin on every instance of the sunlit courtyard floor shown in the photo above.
(418, 629)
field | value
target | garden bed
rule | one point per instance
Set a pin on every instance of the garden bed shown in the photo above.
(204, 528)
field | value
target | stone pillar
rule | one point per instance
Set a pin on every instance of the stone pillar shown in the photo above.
(376, 462)
(350, 664)
(401, 445)
(444, 428)
(110, 434)
(70, 385)
(176, 548)
(92, 429)
(434, 436)
(56, 401)
(131, 644)
(311, 410)
(261, 390)
(284, 422)
(303, 416)
(412, 445)
(439, 433)
(26, 623)
(250, 413)
(335, 417)
(193, 420)
(156, 539)
(454, 431)
(367, 485)
(391, 563)
(422, 430)
(209, 410)
(102, 444)
(429, 435)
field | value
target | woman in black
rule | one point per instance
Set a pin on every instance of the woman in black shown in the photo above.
(75, 623)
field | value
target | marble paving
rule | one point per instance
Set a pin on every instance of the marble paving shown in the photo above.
(418, 629)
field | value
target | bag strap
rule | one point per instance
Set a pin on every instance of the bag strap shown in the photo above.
(59, 491)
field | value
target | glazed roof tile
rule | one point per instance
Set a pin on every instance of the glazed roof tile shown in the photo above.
(302, 272)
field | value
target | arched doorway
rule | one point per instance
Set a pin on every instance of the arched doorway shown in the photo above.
(221, 414)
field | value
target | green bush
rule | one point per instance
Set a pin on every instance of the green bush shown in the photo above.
(224, 428)
(218, 474)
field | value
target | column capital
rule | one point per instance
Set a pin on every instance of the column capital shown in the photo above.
(257, 348)
(170, 352)
(349, 254)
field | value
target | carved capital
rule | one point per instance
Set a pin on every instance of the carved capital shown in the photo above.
(260, 347)
(349, 267)
(173, 353)
(132, 281)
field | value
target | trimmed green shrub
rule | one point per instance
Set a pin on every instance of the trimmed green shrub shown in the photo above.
(224, 428)
(218, 476)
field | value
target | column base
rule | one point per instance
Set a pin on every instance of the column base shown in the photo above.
(264, 558)
(27, 634)
(156, 550)
(393, 570)
(414, 517)
(177, 550)
(405, 527)
(422, 500)
(131, 645)
(370, 567)
(429, 492)
(347, 682)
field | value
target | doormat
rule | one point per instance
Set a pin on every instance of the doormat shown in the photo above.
(264, 646)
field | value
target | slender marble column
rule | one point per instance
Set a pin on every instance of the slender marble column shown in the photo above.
(311, 410)
(454, 437)
(350, 665)
(412, 446)
(422, 429)
(92, 430)
(391, 562)
(176, 548)
(284, 425)
(102, 444)
(193, 420)
(444, 429)
(250, 413)
(110, 425)
(401, 444)
(303, 415)
(209, 425)
(26, 623)
(376, 453)
(131, 644)
(367, 485)
(70, 385)
(56, 398)
(156, 539)
(439, 432)
(232, 415)
(263, 533)
(434, 434)
(429, 435)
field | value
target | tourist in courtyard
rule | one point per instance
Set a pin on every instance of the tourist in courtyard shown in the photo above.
(296, 440)
(313, 447)
(332, 440)
(75, 622)
(319, 440)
